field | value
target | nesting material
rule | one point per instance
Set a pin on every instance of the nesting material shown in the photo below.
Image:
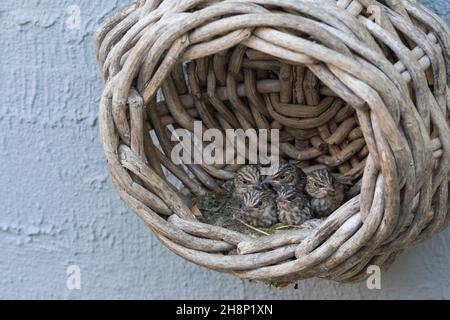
(214, 212)
(358, 87)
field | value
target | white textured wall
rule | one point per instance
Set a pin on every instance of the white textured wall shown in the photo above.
(58, 206)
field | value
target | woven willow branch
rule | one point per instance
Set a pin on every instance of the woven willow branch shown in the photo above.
(358, 86)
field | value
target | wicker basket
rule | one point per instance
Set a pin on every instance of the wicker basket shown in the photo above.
(358, 86)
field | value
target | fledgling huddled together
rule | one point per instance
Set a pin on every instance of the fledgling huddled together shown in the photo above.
(289, 196)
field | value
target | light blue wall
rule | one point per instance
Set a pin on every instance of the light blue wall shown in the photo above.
(58, 206)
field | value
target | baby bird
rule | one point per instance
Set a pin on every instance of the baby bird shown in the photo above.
(326, 193)
(248, 178)
(258, 209)
(293, 206)
(287, 175)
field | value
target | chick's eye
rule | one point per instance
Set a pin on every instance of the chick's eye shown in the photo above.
(260, 204)
(283, 177)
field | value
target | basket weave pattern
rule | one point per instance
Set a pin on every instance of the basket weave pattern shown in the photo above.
(358, 86)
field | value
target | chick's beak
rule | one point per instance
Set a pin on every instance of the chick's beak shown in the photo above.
(260, 185)
(263, 183)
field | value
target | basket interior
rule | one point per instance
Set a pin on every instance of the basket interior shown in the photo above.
(242, 88)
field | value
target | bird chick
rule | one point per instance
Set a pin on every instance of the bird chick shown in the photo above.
(293, 206)
(326, 193)
(258, 209)
(287, 175)
(247, 178)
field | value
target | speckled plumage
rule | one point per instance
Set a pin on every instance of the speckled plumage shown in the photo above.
(325, 192)
(287, 175)
(293, 206)
(258, 208)
(248, 178)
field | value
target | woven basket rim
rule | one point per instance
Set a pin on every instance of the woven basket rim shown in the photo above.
(375, 69)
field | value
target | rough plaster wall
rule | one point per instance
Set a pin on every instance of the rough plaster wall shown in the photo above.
(58, 206)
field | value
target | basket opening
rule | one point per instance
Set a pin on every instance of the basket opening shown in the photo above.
(241, 88)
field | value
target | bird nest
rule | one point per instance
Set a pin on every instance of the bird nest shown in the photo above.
(359, 87)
